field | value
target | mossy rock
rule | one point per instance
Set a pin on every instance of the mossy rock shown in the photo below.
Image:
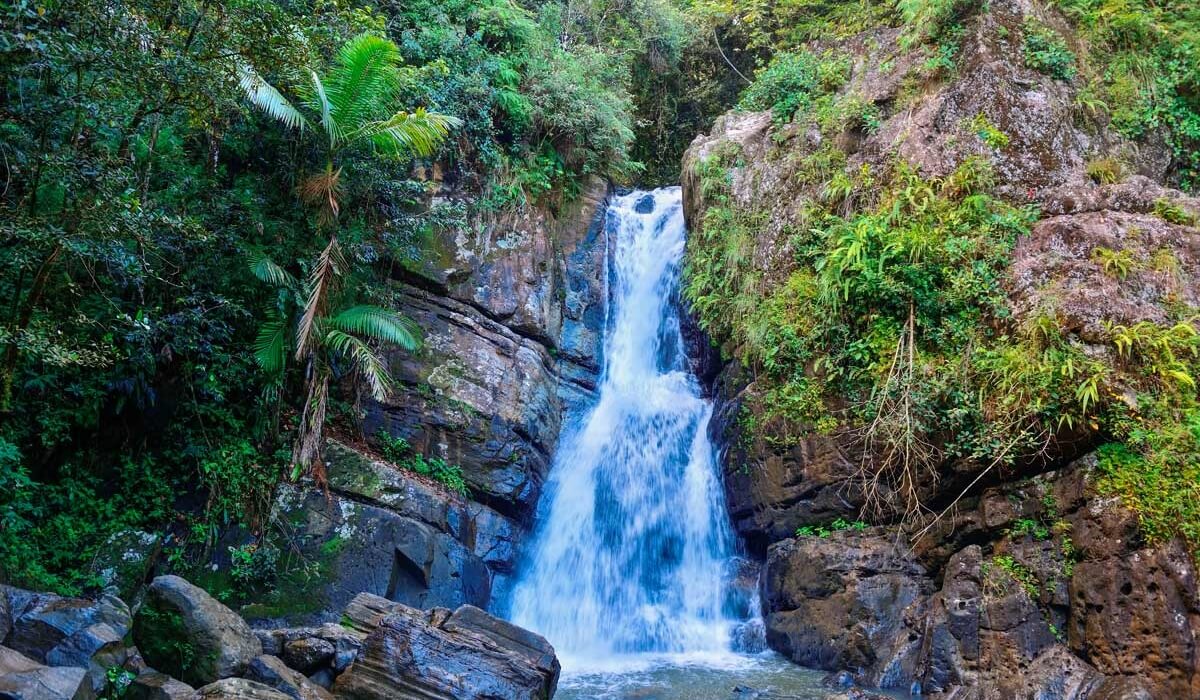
(183, 631)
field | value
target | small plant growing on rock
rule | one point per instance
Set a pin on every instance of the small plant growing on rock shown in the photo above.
(838, 525)
(253, 565)
(1046, 52)
(1172, 213)
(1115, 263)
(988, 132)
(399, 452)
(1105, 171)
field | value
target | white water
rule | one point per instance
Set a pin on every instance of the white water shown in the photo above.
(628, 566)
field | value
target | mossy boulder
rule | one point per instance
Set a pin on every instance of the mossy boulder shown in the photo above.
(183, 631)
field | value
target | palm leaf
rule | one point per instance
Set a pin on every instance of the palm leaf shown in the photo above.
(266, 270)
(419, 133)
(379, 324)
(270, 346)
(318, 100)
(264, 96)
(363, 79)
(368, 364)
(321, 285)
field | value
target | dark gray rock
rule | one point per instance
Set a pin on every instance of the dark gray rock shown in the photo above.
(309, 654)
(154, 685)
(272, 671)
(308, 649)
(467, 655)
(371, 548)
(177, 614)
(64, 631)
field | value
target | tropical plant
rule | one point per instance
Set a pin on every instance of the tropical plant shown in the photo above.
(313, 328)
(351, 106)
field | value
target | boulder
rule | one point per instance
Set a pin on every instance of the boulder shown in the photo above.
(271, 671)
(846, 601)
(61, 631)
(467, 655)
(309, 649)
(153, 685)
(124, 561)
(182, 630)
(309, 654)
(22, 678)
(237, 689)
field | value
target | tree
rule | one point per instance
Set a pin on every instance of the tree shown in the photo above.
(350, 107)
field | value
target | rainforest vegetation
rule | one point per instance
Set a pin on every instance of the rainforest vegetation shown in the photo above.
(198, 201)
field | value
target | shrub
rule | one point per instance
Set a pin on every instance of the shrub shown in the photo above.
(1046, 52)
(791, 81)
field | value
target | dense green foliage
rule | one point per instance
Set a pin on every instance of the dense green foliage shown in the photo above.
(1142, 70)
(144, 383)
(164, 233)
(890, 324)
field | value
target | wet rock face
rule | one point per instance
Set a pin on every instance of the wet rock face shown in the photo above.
(1139, 615)
(1080, 609)
(513, 318)
(388, 532)
(770, 492)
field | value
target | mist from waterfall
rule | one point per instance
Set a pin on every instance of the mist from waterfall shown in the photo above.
(631, 548)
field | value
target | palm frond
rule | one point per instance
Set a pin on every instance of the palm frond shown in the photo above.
(322, 191)
(271, 347)
(266, 270)
(419, 133)
(321, 285)
(318, 100)
(379, 323)
(363, 79)
(264, 96)
(369, 365)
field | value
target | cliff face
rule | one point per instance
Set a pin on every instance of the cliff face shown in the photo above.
(513, 316)
(988, 572)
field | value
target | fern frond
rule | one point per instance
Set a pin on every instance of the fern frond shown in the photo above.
(318, 100)
(368, 364)
(264, 96)
(379, 324)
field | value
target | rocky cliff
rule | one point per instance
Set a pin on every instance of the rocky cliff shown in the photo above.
(977, 547)
(513, 312)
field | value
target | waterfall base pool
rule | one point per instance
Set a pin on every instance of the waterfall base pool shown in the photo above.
(695, 677)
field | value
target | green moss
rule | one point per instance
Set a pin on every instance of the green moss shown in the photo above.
(162, 638)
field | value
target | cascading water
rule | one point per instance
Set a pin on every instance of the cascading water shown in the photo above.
(629, 570)
(631, 552)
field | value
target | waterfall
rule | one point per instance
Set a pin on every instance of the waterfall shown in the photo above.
(629, 558)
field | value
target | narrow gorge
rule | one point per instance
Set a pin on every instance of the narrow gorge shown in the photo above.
(606, 350)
